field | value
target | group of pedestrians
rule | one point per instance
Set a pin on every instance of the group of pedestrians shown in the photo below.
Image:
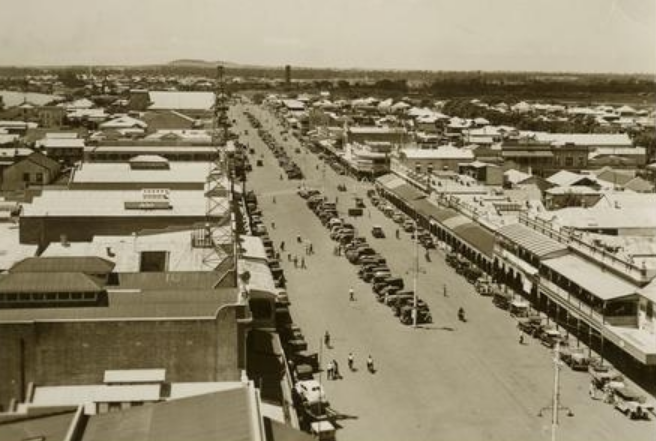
(298, 262)
(332, 368)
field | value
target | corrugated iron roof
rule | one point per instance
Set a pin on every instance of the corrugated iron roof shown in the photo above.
(53, 282)
(529, 239)
(85, 264)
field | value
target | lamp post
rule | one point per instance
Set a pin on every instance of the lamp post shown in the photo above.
(414, 279)
(555, 405)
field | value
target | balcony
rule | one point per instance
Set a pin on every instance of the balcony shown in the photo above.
(573, 304)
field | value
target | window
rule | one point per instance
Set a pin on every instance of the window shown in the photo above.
(153, 261)
(39, 177)
(26, 177)
(569, 161)
(580, 160)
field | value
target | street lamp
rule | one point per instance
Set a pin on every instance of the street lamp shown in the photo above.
(414, 279)
(555, 405)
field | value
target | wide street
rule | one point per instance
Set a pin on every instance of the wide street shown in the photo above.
(447, 380)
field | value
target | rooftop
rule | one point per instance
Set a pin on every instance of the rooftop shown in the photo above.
(442, 152)
(181, 100)
(125, 251)
(114, 203)
(122, 172)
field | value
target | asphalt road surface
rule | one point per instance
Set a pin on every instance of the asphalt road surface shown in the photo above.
(447, 380)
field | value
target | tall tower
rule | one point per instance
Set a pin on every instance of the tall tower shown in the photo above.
(288, 75)
(218, 237)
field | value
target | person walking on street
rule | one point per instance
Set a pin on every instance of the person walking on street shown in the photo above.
(445, 293)
(370, 364)
(592, 390)
(298, 238)
(326, 339)
(351, 295)
(336, 375)
(398, 235)
(274, 199)
(295, 262)
(330, 370)
(521, 338)
(289, 257)
(303, 263)
(350, 361)
(310, 248)
(282, 246)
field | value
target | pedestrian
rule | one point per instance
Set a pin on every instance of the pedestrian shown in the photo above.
(592, 390)
(311, 249)
(273, 225)
(303, 263)
(282, 246)
(298, 238)
(289, 257)
(295, 261)
(278, 255)
(326, 339)
(351, 295)
(398, 235)
(274, 199)
(521, 338)
(427, 256)
(370, 364)
(351, 363)
(445, 293)
(336, 375)
(329, 370)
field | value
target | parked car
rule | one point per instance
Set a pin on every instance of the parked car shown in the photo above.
(575, 358)
(531, 324)
(631, 403)
(310, 391)
(408, 226)
(550, 336)
(377, 231)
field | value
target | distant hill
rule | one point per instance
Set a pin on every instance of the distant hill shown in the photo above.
(201, 63)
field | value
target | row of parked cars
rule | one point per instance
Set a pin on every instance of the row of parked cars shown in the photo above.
(291, 169)
(372, 266)
(425, 238)
(604, 378)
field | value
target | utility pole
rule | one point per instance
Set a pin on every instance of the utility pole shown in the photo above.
(414, 279)
(555, 405)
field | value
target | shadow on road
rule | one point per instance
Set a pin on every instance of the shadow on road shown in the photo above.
(436, 328)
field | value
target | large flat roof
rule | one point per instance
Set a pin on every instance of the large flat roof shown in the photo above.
(115, 172)
(151, 149)
(112, 203)
(11, 250)
(181, 100)
(125, 251)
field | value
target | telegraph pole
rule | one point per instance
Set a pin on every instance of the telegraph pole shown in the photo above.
(555, 405)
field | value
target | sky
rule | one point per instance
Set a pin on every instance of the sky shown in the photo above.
(518, 35)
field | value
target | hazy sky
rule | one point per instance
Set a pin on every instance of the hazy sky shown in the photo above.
(552, 35)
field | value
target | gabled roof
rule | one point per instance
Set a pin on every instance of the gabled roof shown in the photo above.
(87, 265)
(227, 415)
(43, 161)
(531, 240)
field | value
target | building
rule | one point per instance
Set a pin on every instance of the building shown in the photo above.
(67, 150)
(361, 134)
(36, 169)
(143, 171)
(543, 158)
(192, 327)
(123, 153)
(369, 159)
(488, 174)
(81, 214)
(443, 158)
(194, 412)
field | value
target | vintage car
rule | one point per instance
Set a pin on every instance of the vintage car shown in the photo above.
(502, 299)
(531, 324)
(423, 315)
(631, 403)
(519, 308)
(377, 231)
(550, 336)
(310, 391)
(575, 358)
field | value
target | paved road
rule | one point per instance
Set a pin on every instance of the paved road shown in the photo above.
(447, 380)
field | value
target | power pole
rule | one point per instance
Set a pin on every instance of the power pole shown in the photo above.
(555, 405)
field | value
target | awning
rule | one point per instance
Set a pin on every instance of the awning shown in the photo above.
(478, 237)
(600, 284)
(531, 240)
